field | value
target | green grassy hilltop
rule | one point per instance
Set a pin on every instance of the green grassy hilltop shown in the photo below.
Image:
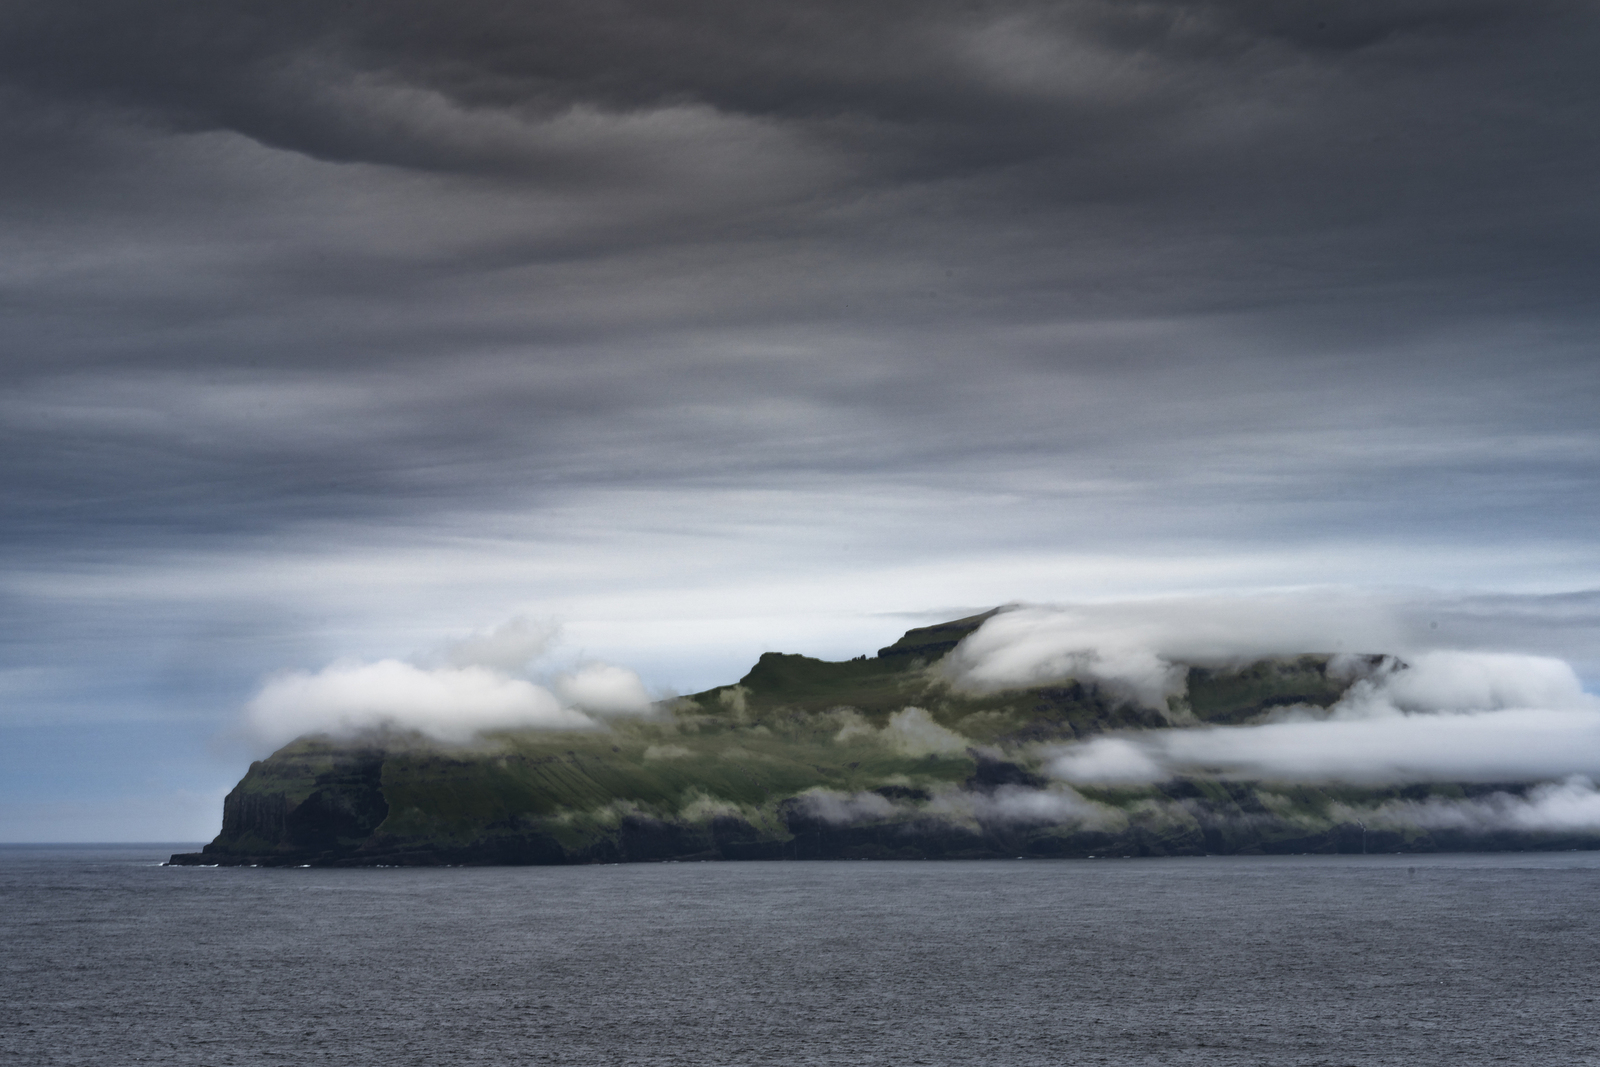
(801, 758)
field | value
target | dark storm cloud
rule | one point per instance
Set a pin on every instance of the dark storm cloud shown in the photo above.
(1299, 153)
(1257, 273)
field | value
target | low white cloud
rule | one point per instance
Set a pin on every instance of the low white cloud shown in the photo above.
(509, 647)
(843, 809)
(1024, 806)
(1512, 745)
(453, 694)
(913, 732)
(1137, 650)
(854, 726)
(1110, 760)
(1448, 716)
(1572, 805)
(1430, 714)
(448, 703)
(702, 806)
(1058, 805)
(1448, 680)
(604, 689)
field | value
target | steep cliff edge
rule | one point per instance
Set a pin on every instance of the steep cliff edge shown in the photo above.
(875, 757)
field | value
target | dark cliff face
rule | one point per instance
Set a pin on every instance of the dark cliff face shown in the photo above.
(807, 759)
(301, 821)
(1217, 830)
(346, 804)
(344, 810)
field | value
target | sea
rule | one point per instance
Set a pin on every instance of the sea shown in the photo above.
(109, 958)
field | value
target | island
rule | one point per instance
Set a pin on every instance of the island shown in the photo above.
(877, 757)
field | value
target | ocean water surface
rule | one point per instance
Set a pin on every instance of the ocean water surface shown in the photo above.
(109, 958)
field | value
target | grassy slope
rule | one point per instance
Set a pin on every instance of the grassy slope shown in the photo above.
(578, 786)
(1240, 694)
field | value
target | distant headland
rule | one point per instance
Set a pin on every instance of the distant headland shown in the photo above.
(880, 757)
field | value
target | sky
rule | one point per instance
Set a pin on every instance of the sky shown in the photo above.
(684, 331)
